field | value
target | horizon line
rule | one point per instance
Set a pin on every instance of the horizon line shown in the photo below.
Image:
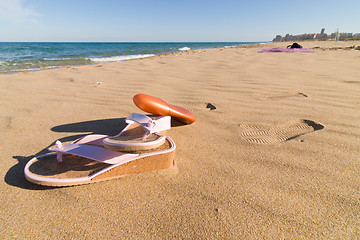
(133, 41)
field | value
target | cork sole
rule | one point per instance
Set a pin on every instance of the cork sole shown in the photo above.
(75, 170)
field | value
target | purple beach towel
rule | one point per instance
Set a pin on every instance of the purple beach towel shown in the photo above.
(285, 50)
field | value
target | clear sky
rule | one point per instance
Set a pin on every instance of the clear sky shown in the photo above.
(172, 20)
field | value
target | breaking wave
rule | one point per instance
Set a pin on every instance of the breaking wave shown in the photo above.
(119, 58)
(184, 49)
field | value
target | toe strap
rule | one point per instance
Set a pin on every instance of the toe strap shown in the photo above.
(151, 125)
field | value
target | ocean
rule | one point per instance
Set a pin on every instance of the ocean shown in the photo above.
(29, 56)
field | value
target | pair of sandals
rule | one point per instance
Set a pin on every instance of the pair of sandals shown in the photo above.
(137, 148)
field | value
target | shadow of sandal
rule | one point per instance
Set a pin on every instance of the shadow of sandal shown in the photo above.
(15, 176)
(104, 126)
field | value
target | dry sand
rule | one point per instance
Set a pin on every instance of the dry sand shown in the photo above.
(274, 152)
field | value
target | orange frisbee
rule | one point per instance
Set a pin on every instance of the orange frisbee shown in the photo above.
(157, 106)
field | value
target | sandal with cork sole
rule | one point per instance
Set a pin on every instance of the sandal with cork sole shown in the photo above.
(141, 133)
(86, 161)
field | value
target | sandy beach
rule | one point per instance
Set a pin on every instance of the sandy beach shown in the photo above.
(274, 153)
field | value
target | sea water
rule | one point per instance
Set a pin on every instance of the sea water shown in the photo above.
(27, 56)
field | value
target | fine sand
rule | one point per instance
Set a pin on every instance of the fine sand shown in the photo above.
(274, 153)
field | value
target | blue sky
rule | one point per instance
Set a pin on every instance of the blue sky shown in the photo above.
(170, 20)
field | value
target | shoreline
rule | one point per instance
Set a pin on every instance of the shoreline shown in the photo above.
(102, 58)
(273, 153)
(344, 45)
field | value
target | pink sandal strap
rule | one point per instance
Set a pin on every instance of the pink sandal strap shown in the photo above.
(151, 125)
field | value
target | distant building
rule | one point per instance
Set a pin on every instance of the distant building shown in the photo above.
(288, 37)
(356, 36)
(278, 38)
(315, 36)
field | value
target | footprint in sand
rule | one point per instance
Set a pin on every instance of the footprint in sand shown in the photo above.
(282, 95)
(6, 122)
(354, 82)
(9, 121)
(265, 134)
(65, 79)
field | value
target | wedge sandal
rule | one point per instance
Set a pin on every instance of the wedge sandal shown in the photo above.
(86, 161)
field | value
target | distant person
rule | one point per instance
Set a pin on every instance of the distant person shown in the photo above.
(295, 45)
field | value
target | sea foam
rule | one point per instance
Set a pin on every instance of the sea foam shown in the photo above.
(119, 58)
(184, 49)
(56, 59)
